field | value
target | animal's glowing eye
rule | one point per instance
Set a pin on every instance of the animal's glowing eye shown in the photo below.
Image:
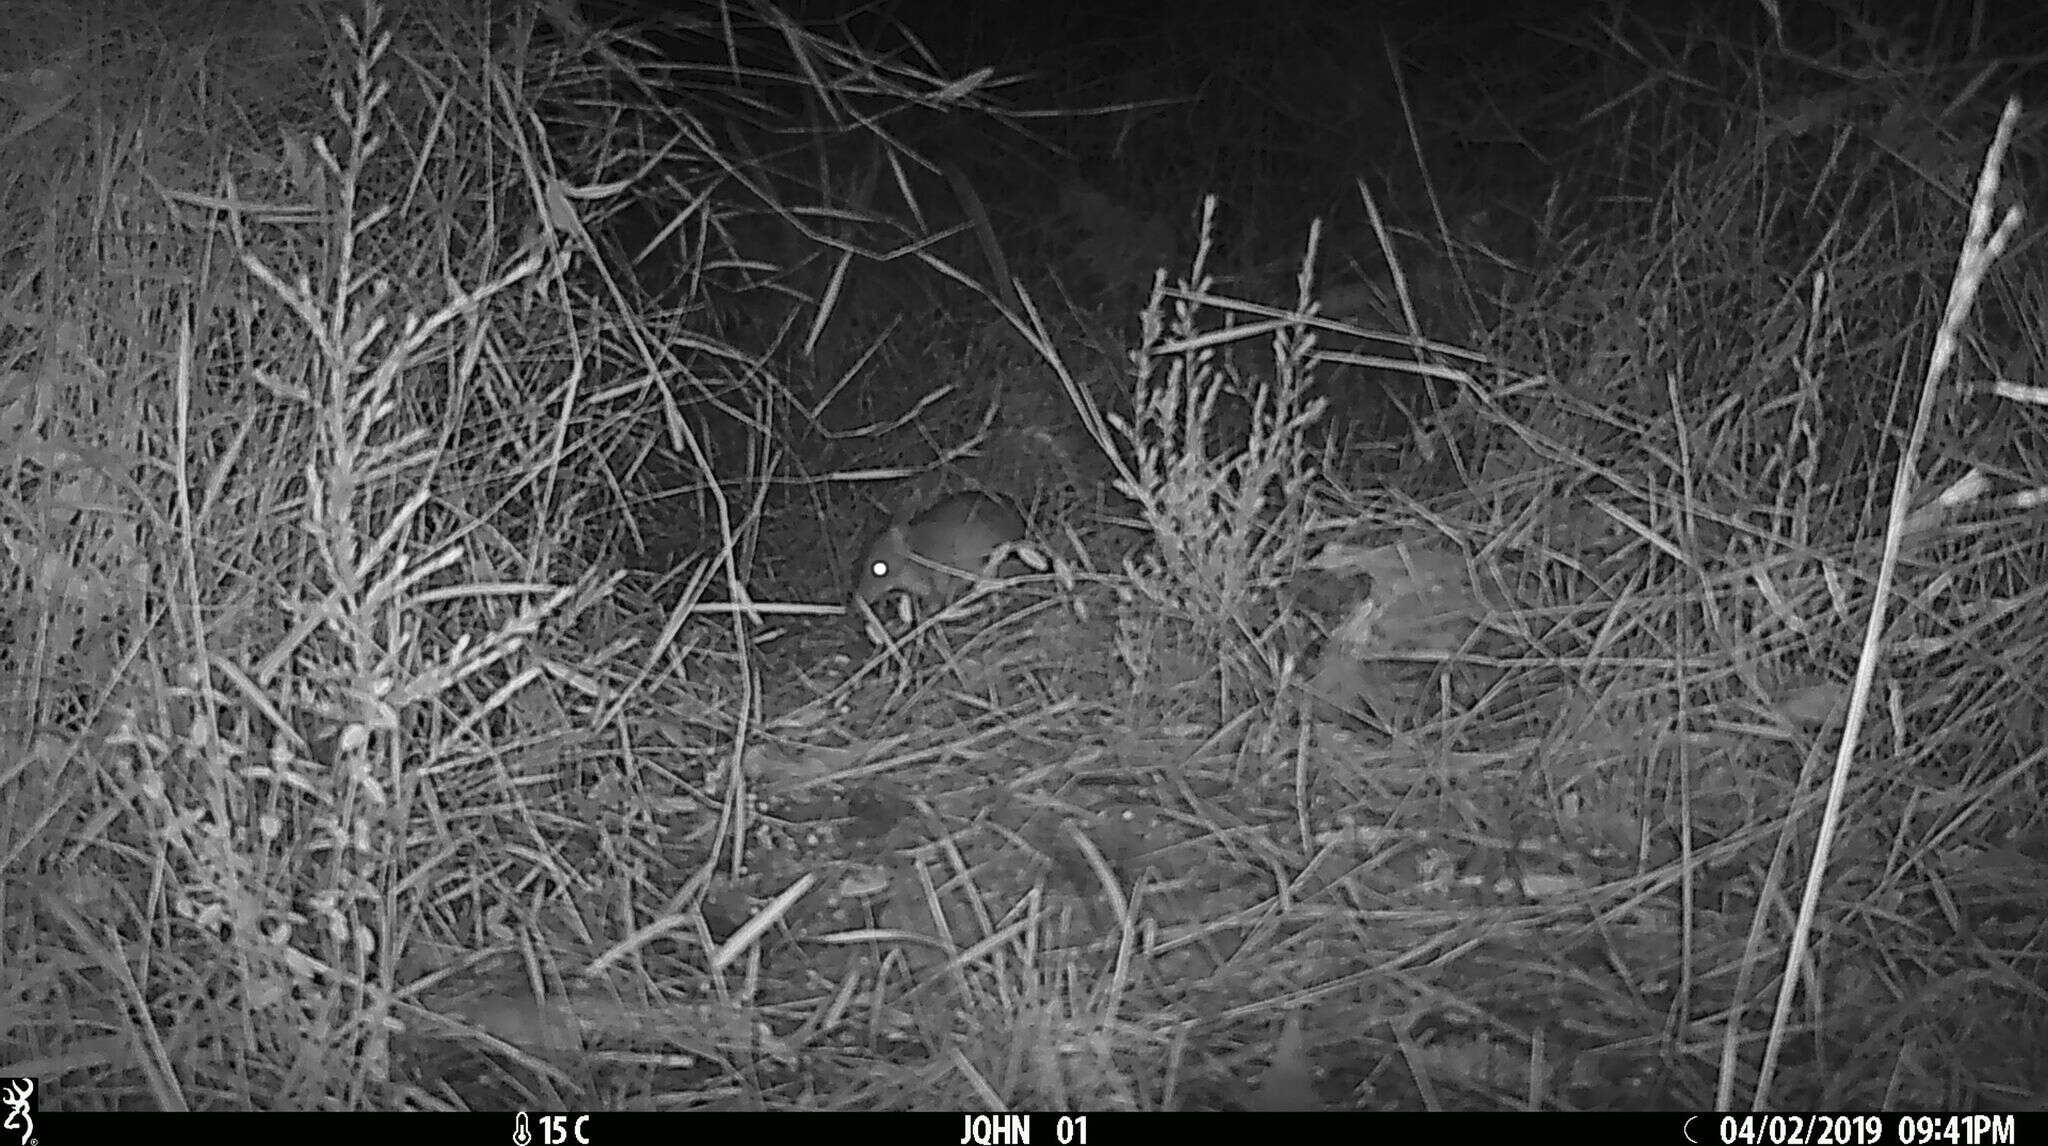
(879, 569)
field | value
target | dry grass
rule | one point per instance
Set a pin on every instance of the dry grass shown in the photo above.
(348, 367)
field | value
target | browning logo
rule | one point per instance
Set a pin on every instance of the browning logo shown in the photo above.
(18, 1099)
